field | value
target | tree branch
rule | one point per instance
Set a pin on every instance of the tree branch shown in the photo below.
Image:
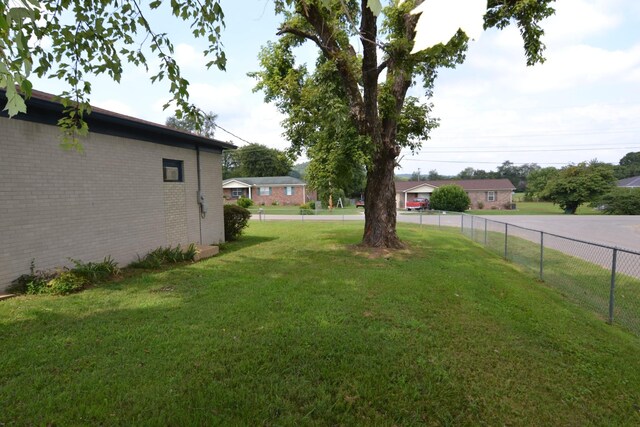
(303, 34)
(325, 34)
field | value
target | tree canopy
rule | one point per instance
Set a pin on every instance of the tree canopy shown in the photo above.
(355, 109)
(75, 41)
(577, 184)
(255, 160)
(207, 128)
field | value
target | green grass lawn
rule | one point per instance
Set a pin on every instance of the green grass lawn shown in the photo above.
(295, 326)
(295, 210)
(534, 208)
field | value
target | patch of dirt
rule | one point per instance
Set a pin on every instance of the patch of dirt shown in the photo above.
(382, 253)
(164, 289)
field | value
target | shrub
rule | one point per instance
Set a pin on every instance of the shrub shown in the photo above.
(450, 198)
(65, 283)
(32, 283)
(275, 203)
(306, 209)
(96, 271)
(161, 256)
(621, 201)
(244, 202)
(480, 205)
(236, 219)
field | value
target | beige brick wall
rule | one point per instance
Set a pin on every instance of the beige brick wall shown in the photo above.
(503, 200)
(108, 200)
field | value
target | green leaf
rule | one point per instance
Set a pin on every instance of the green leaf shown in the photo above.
(15, 104)
(375, 6)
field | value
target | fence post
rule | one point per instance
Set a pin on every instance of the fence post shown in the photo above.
(439, 220)
(485, 231)
(614, 261)
(420, 218)
(462, 223)
(506, 234)
(472, 233)
(541, 255)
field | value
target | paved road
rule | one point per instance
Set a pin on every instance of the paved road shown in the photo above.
(610, 230)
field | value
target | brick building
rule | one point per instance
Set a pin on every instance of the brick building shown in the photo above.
(484, 193)
(281, 190)
(136, 186)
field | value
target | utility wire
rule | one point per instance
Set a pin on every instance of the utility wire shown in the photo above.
(527, 150)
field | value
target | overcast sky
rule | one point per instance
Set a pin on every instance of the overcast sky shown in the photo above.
(582, 103)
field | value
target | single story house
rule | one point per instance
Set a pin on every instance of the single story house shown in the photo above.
(281, 190)
(488, 193)
(633, 182)
(136, 186)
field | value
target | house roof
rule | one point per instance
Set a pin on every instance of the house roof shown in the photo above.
(43, 108)
(266, 180)
(466, 184)
(632, 182)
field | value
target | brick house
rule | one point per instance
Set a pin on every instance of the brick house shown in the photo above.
(281, 190)
(488, 193)
(135, 187)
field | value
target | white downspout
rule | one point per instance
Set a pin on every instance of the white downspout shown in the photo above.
(405, 199)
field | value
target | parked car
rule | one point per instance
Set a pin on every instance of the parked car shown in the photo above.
(417, 204)
(360, 204)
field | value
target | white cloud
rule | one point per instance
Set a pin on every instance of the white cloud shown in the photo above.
(188, 57)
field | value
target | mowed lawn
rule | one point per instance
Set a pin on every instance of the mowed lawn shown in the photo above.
(535, 208)
(293, 325)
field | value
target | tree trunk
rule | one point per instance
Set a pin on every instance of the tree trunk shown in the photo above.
(380, 203)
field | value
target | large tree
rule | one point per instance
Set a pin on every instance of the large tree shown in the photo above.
(577, 184)
(358, 104)
(76, 40)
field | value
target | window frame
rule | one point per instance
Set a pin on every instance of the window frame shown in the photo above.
(492, 196)
(289, 190)
(261, 193)
(173, 163)
(236, 193)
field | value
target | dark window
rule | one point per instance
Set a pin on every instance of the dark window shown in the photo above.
(172, 170)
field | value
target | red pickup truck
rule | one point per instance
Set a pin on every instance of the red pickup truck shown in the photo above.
(418, 204)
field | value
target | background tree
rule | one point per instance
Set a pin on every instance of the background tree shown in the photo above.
(451, 198)
(433, 175)
(74, 41)
(579, 184)
(360, 104)
(416, 176)
(629, 166)
(207, 128)
(516, 174)
(621, 201)
(255, 160)
(537, 181)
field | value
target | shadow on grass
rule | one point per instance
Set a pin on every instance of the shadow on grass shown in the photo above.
(244, 242)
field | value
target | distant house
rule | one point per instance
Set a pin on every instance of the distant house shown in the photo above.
(281, 190)
(488, 193)
(136, 186)
(633, 182)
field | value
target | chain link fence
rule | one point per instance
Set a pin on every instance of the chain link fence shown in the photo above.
(602, 278)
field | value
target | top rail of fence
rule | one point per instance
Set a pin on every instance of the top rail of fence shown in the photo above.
(630, 251)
